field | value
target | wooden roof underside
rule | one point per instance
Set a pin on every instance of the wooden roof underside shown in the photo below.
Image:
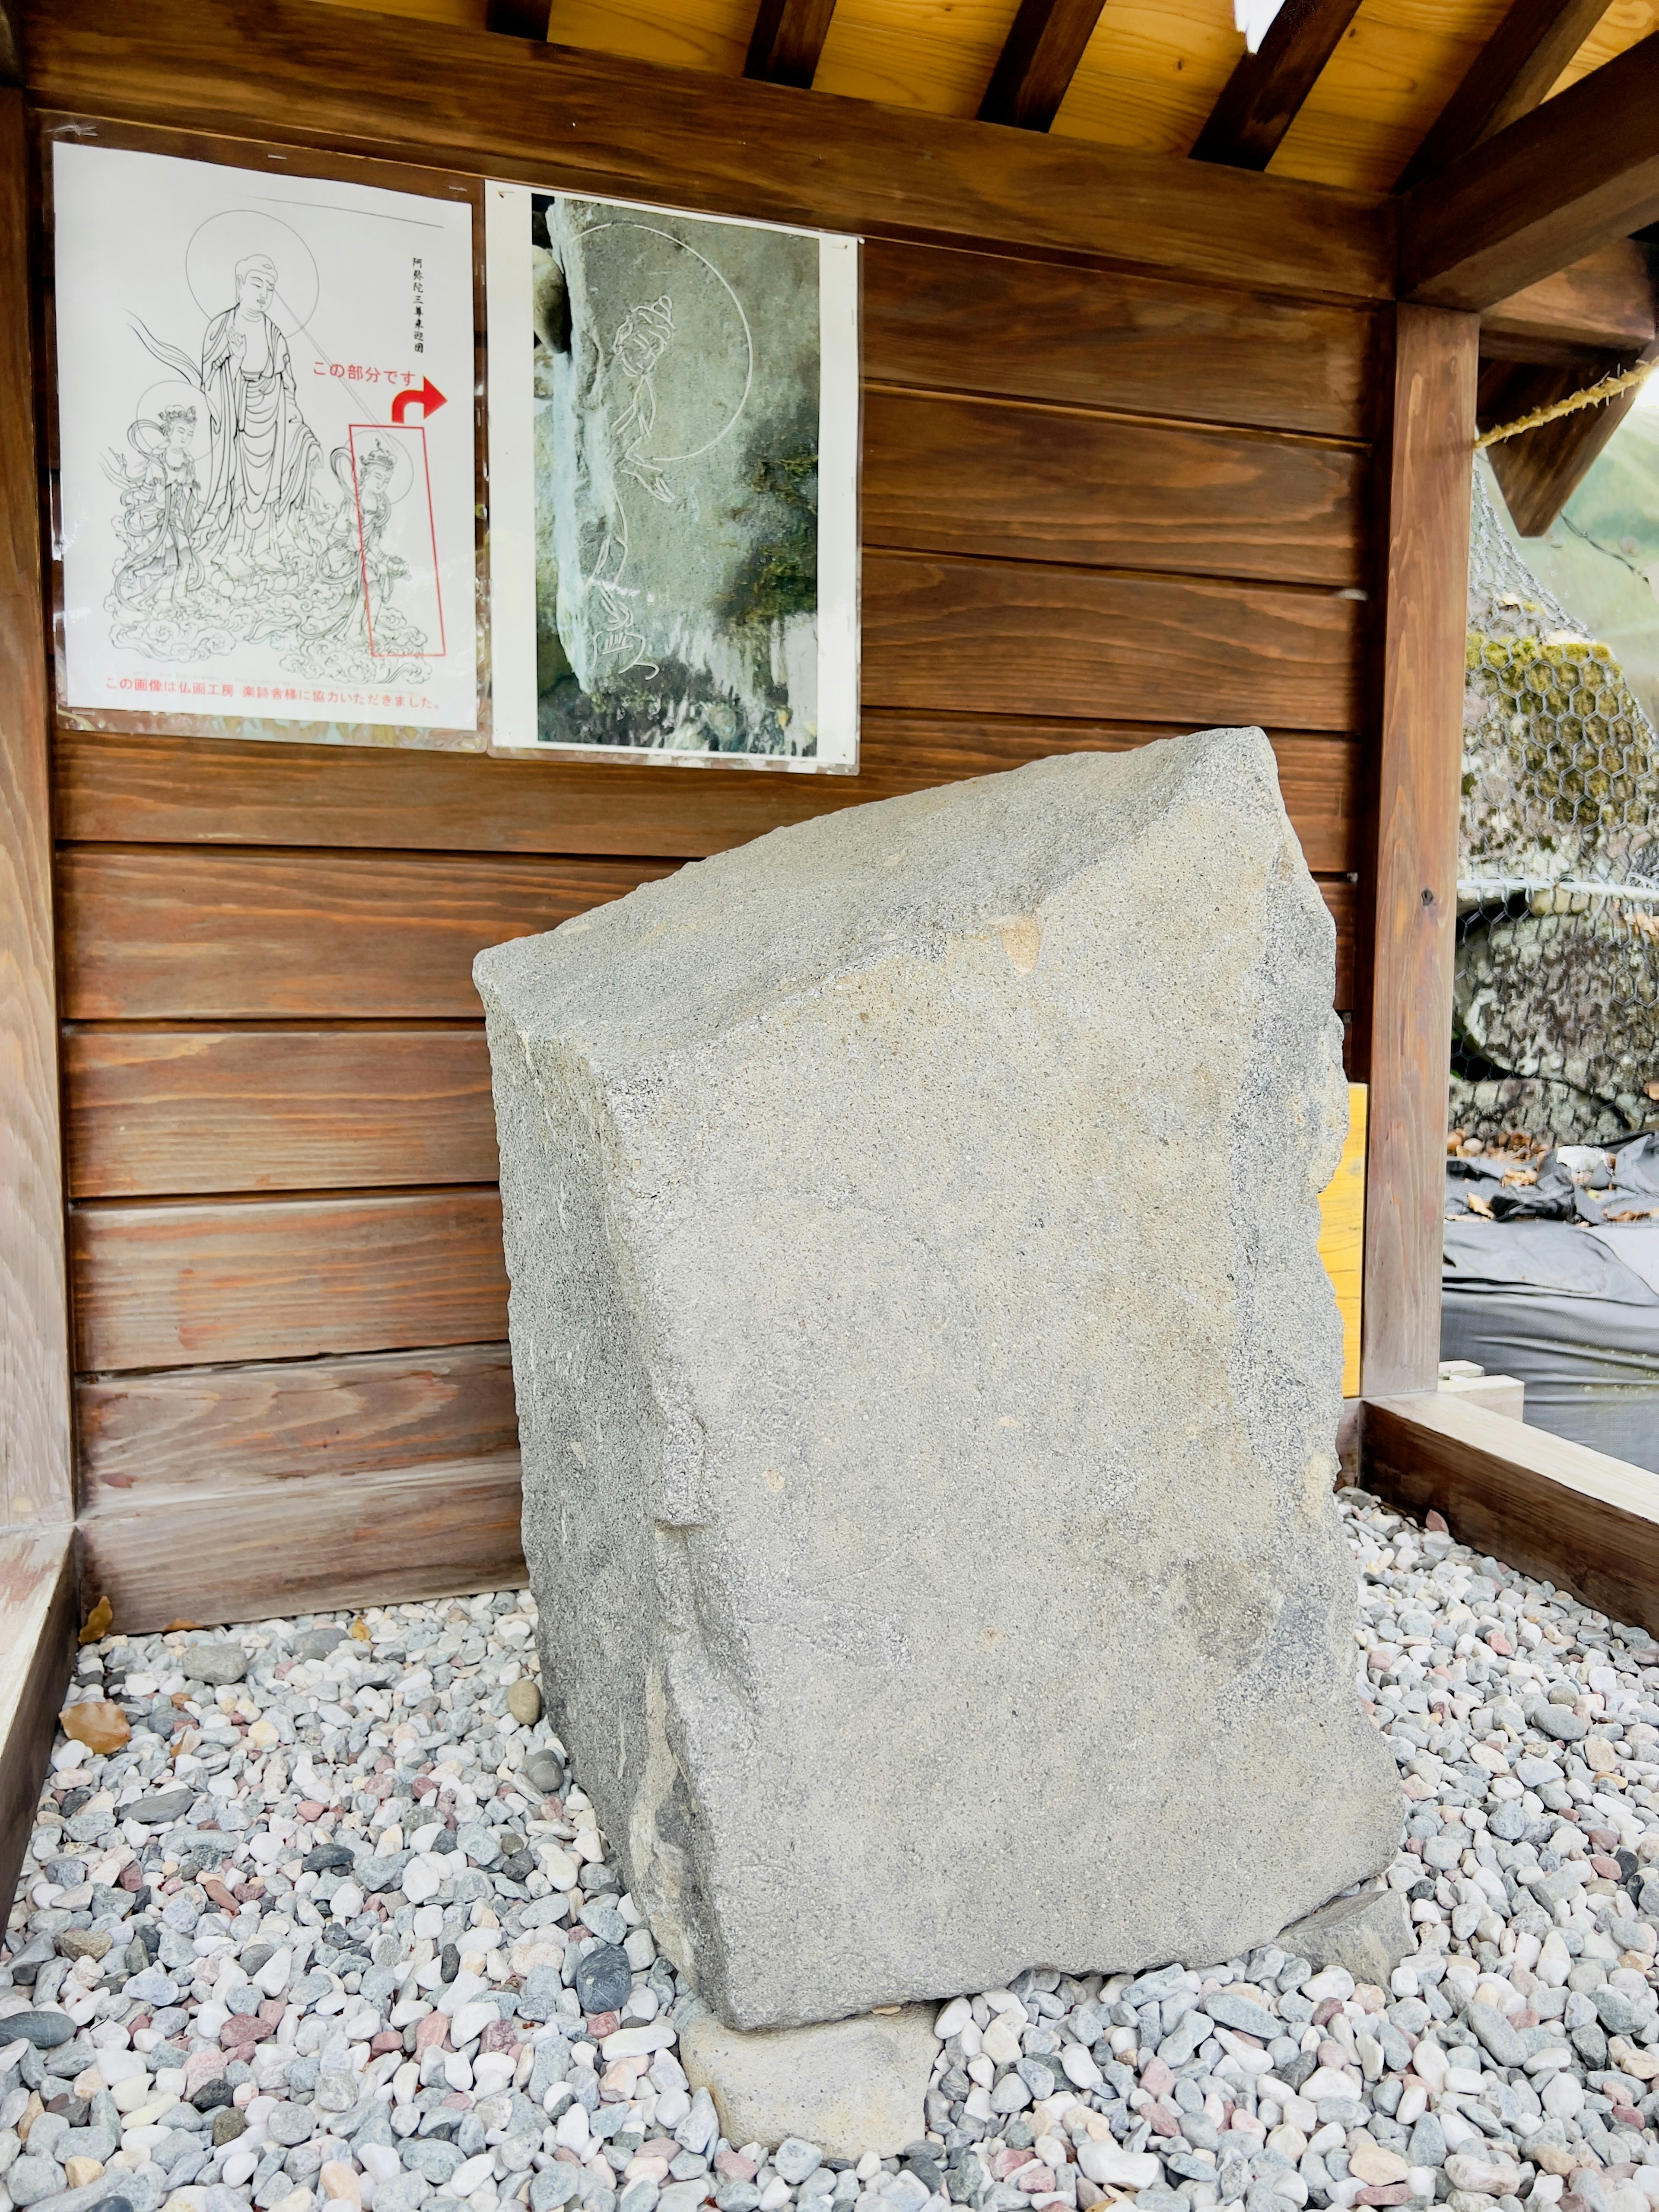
(1143, 74)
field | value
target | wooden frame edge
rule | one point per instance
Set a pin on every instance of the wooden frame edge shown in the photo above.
(38, 1621)
(1554, 1510)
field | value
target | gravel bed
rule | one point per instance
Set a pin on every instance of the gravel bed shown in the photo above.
(335, 1923)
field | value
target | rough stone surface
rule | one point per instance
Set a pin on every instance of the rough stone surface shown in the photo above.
(850, 2087)
(1368, 1935)
(918, 1324)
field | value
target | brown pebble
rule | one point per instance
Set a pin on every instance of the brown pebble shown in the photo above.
(228, 2125)
(524, 1702)
(78, 2172)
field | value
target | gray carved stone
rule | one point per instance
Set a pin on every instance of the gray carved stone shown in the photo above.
(928, 1384)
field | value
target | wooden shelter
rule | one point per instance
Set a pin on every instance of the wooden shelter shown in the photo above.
(1173, 361)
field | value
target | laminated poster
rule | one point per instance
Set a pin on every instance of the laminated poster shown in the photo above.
(265, 422)
(674, 453)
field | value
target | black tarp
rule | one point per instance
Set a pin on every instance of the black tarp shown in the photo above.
(1558, 1295)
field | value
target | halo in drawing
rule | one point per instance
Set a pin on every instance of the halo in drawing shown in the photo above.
(219, 246)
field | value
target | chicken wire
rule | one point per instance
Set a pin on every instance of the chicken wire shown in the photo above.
(1556, 1026)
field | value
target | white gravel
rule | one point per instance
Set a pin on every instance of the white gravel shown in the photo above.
(280, 1992)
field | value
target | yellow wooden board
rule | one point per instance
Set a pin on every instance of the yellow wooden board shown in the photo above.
(1342, 1239)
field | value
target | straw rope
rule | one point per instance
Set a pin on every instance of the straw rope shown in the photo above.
(1608, 388)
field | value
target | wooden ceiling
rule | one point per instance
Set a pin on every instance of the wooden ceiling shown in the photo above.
(1151, 71)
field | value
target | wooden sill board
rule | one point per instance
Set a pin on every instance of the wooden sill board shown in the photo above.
(37, 1642)
(1554, 1510)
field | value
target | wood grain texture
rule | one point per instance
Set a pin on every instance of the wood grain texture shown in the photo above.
(157, 1113)
(1512, 74)
(308, 1546)
(1551, 1509)
(1089, 338)
(272, 1421)
(1039, 59)
(34, 1434)
(1603, 304)
(975, 477)
(198, 934)
(1539, 472)
(1263, 96)
(1419, 762)
(1021, 639)
(1573, 176)
(184, 790)
(563, 119)
(38, 1621)
(197, 1285)
(788, 38)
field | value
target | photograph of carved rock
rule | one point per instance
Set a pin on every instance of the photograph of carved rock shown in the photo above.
(692, 563)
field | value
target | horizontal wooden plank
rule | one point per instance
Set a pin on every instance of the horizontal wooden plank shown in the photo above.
(953, 476)
(1148, 345)
(198, 1284)
(1555, 1509)
(170, 934)
(223, 1428)
(195, 790)
(598, 123)
(1017, 638)
(306, 1546)
(198, 1109)
(154, 1112)
(147, 931)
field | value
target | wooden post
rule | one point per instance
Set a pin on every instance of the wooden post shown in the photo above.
(1425, 620)
(35, 1473)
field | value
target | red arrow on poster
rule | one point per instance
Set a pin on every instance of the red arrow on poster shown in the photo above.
(428, 399)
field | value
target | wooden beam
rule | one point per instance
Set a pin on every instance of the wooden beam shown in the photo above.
(519, 19)
(37, 1643)
(1603, 304)
(1511, 75)
(788, 38)
(11, 44)
(1577, 174)
(1424, 615)
(35, 1479)
(1539, 472)
(1039, 59)
(1551, 1509)
(1263, 96)
(563, 119)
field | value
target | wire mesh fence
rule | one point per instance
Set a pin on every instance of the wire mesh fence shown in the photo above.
(1556, 1024)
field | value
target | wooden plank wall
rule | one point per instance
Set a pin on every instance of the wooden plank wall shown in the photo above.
(1099, 508)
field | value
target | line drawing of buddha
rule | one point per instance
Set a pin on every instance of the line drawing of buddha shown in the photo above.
(263, 450)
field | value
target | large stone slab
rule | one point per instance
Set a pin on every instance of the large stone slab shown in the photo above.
(928, 1384)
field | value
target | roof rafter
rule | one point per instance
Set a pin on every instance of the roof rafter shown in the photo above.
(1038, 61)
(1263, 96)
(1570, 178)
(1509, 76)
(788, 38)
